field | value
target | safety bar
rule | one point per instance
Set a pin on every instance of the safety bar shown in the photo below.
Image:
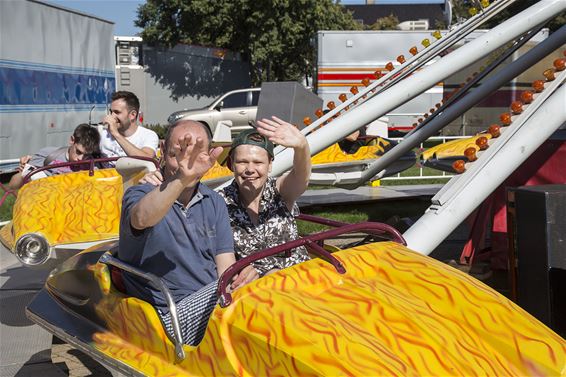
(160, 285)
(309, 241)
(91, 164)
(396, 236)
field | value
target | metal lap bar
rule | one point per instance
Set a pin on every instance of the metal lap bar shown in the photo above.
(91, 164)
(158, 284)
(310, 241)
(396, 235)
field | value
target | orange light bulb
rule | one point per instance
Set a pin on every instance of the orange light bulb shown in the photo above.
(425, 115)
(505, 119)
(318, 112)
(538, 86)
(307, 121)
(420, 120)
(437, 34)
(401, 59)
(549, 74)
(485, 3)
(425, 42)
(413, 50)
(459, 166)
(482, 142)
(354, 90)
(377, 74)
(494, 130)
(438, 105)
(432, 110)
(527, 96)
(470, 154)
(559, 64)
(473, 11)
(517, 107)
(365, 81)
(389, 66)
(331, 105)
(343, 97)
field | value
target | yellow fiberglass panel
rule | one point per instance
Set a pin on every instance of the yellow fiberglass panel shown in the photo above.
(217, 171)
(334, 154)
(453, 148)
(394, 312)
(70, 208)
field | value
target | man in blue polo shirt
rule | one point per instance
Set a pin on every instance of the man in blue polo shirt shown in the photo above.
(180, 231)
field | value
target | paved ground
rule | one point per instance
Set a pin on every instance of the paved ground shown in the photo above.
(25, 348)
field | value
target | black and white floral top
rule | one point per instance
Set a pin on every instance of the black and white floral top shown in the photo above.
(276, 225)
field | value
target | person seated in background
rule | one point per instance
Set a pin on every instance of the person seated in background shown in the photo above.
(83, 143)
(262, 209)
(120, 135)
(180, 232)
(353, 142)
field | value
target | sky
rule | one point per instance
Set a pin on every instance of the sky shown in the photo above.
(121, 12)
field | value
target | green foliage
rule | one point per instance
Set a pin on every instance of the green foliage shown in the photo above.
(160, 130)
(6, 208)
(275, 36)
(462, 7)
(385, 23)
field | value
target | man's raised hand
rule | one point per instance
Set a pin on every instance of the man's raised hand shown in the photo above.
(194, 159)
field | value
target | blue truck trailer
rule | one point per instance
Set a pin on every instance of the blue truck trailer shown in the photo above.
(57, 68)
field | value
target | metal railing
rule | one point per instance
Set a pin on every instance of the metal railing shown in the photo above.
(421, 174)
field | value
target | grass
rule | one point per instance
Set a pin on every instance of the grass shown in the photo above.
(383, 211)
(6, 208)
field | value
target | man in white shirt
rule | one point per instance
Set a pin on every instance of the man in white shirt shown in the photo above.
(120, 134)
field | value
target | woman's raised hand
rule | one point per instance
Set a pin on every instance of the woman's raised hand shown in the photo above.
(280, 132)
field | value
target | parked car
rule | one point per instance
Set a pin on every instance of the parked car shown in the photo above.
(238, 106)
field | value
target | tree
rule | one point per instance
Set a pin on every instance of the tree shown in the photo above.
(275, 36)
(385, 23)
(461, 12)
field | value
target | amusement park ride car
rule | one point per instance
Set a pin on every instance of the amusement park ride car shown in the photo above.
(371, 309)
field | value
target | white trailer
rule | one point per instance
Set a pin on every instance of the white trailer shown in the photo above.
(56, 65)
(345, 58)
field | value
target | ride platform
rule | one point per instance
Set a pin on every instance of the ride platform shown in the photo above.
(366, 194)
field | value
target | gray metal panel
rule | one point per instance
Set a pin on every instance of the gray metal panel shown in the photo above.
(289, 101)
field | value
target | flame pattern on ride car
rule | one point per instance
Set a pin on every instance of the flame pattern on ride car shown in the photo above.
(334, 154)
(394, 312)
(453, 148)
(70, 208)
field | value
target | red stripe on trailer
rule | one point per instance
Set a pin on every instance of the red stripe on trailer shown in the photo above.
(345, 76)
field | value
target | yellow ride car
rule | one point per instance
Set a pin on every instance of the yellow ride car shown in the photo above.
(59, 215)
(375, 309)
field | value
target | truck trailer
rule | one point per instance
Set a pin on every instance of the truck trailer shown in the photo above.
(56, 71)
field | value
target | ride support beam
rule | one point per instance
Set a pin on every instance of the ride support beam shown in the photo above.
(537, 53)
(423, 80)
